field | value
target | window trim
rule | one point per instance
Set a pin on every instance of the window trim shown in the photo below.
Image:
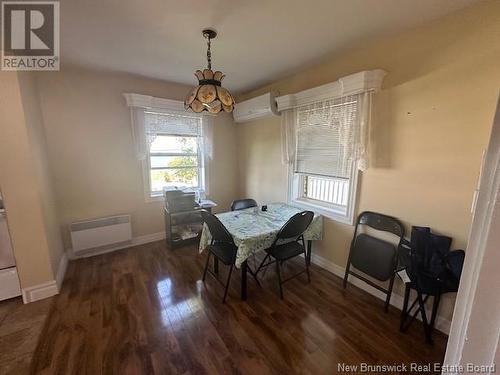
(141, 103)
(356, 83)
(327, 210)
(149, 195)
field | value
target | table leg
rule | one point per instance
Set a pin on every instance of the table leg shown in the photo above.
(244, 281)
(309, 250)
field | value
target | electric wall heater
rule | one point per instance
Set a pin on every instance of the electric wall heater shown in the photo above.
(99, 233)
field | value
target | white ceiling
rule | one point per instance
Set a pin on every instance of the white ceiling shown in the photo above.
(258, 40)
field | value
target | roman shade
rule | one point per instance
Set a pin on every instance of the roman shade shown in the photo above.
(170, 123)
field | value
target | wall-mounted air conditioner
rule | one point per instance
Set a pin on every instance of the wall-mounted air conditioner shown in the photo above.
(255, 108)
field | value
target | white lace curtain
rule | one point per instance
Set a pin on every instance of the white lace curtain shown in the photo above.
(148, 123)
(326, 137)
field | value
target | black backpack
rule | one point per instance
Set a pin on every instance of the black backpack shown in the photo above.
(434, 269)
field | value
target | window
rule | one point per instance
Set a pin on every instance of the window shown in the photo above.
(174, 161)
(175, 156)
(330, 190)
(321, 177)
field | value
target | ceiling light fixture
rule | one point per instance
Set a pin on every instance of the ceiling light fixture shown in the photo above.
(209, 95)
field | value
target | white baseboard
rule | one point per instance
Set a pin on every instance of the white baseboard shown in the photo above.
(442, 324)
(40, 291)
(49, 288)
(140, 240)
(61, 271)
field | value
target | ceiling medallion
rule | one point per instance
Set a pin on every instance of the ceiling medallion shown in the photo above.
(209, 95)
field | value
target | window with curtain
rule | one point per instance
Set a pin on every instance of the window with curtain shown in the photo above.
(327, 155)
(175, 151)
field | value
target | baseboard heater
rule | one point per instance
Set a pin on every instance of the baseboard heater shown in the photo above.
(100, 233)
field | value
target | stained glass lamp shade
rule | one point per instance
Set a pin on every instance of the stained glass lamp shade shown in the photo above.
(209, 95)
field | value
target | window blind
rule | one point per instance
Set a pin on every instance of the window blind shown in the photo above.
(171, 123)
(320, 149)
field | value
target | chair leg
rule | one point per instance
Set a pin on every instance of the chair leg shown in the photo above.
(261, 264)
(227, 283)
(216, 265)
(421, 304)
(404, 312)
(389, 293)
(307, 268)
(254, 274)
(279, 278)
(435, 306)
(206, 266)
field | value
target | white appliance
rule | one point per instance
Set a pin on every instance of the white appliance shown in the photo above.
(255, 108)
(9, 281)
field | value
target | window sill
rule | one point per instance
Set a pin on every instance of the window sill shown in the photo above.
(328, 212)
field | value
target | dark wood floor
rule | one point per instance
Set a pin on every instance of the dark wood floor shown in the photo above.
(144, 310)
(20, 329)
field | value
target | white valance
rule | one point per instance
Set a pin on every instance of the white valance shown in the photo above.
(368, 80)
(151, 116)
(148, 102)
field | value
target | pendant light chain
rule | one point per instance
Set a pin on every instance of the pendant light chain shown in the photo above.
(209, 54)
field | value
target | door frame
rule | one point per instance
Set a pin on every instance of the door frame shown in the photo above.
(475, 328)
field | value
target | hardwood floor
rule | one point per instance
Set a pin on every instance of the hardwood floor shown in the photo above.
(144, 310)
(20, 328)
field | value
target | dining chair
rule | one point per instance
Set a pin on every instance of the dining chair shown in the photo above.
(222, 247)
(373, 256)
(289, 243)
(241, 204)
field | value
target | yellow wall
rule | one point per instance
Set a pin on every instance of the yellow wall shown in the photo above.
(261, 175)
(223, 173)
(36, 133)
(431, 123)
(89, 137)
(25, 182)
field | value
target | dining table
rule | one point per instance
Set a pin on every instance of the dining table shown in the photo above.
(254, 230)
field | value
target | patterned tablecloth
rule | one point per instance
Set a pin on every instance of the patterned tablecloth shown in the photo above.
(254, 230)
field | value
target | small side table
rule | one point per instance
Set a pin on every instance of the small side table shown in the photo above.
(184, 227)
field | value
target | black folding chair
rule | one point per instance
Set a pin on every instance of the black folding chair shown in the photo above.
(241, 204)
(373, 256)
(222, 247)
(433, 270)
(288, 244)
